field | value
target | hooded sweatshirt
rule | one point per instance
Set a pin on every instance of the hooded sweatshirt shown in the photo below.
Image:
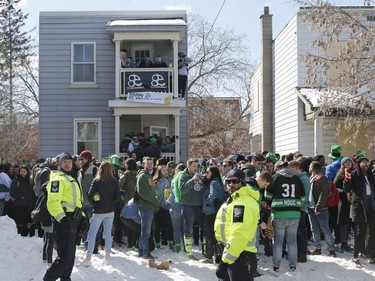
(287, 194)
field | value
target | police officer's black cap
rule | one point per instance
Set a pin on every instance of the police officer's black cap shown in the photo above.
(236, 173)
(65, 156)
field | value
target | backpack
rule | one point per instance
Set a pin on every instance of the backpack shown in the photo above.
(40, 212)
(37, 180)
(333, 198)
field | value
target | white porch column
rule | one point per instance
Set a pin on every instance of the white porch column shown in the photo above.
(117, 134)
(177, 137)
(175, 68)
(318, 136)
(117, 71)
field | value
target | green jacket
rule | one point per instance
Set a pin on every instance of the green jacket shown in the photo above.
(146, 191)
(249, 170)
(191, 190)
(176, 189)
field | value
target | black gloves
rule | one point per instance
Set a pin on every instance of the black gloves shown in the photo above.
(66, 224)
(83, 225)
(221, 271)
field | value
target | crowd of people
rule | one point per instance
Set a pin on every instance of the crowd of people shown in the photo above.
(137, 146)
(229, 206)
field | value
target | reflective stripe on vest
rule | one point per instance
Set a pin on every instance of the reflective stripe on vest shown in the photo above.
(58, 217)
(222, 224)
(74, 194)
(228, 256)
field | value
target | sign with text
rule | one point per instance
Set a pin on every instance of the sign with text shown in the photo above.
(147, 81)
(150, 97)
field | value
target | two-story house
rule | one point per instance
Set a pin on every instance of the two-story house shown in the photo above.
(284, 106)
(88, 101)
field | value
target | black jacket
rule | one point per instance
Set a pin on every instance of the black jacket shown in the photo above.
(359, 202)
(109, 194)
(22, 192)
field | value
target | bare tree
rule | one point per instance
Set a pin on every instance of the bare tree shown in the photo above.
(18, 88)
(343, 61)
(220, 67)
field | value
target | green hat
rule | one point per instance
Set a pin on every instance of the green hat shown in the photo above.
(272, 156)
(153, 140)
(106, 159)
(361, 153)
(56, 158)
(115, 160)
(335, 152)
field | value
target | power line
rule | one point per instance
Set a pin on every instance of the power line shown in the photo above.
(217, 15)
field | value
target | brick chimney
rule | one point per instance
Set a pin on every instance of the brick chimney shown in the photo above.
(267, 83)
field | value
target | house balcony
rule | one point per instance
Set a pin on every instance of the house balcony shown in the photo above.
(140, 83)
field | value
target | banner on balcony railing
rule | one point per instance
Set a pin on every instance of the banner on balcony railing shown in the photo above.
(150, 97)
(147, 81)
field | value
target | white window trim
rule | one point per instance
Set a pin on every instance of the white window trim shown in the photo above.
(99, 120)
(143, 46)
(82, 84)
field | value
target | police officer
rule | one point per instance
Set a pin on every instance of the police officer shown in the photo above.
(64, 204)
(235, 227)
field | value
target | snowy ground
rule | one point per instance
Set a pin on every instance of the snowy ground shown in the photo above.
(20, 260)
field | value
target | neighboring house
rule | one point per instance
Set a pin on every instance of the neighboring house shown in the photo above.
(87, 101)
(283, 105)
(221, 114)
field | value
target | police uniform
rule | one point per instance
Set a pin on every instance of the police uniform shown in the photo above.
(64, 204)
(235, 227)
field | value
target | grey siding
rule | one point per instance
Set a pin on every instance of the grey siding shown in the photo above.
(60, 104)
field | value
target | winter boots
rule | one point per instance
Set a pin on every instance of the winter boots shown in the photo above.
(189, 248)
(177, 248)
(171, 245)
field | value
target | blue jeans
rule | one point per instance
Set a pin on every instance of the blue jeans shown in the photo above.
(285, 228)
(176, 217)
(95, 222)
(88, 210)
(302, 236)
(191, 214)
(146, 223)
(2, 205)
(320, 223)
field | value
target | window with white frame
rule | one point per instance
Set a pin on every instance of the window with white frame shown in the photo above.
(87, 136)
(83, 62)
(140, 51)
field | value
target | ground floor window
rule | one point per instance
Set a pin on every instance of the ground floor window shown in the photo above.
(87, 136)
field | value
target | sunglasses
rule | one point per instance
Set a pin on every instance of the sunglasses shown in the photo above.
(234, 181)
(225, 166)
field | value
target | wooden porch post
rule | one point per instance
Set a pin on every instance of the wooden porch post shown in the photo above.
(175, 69)
(177, 137)
(117, 134)
(118, 67)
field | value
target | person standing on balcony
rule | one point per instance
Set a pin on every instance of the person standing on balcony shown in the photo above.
(159, 62)
(183, 69)
(146, 63)
(126, 60)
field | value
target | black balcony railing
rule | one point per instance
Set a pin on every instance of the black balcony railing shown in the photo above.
(146, 80)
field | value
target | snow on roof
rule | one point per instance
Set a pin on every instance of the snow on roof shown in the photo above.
(327, 97)
(158, 22)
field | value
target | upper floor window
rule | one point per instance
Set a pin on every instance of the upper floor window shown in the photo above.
(83, 62)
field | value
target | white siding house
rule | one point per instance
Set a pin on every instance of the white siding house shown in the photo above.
(294, 126)
(85, 94)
